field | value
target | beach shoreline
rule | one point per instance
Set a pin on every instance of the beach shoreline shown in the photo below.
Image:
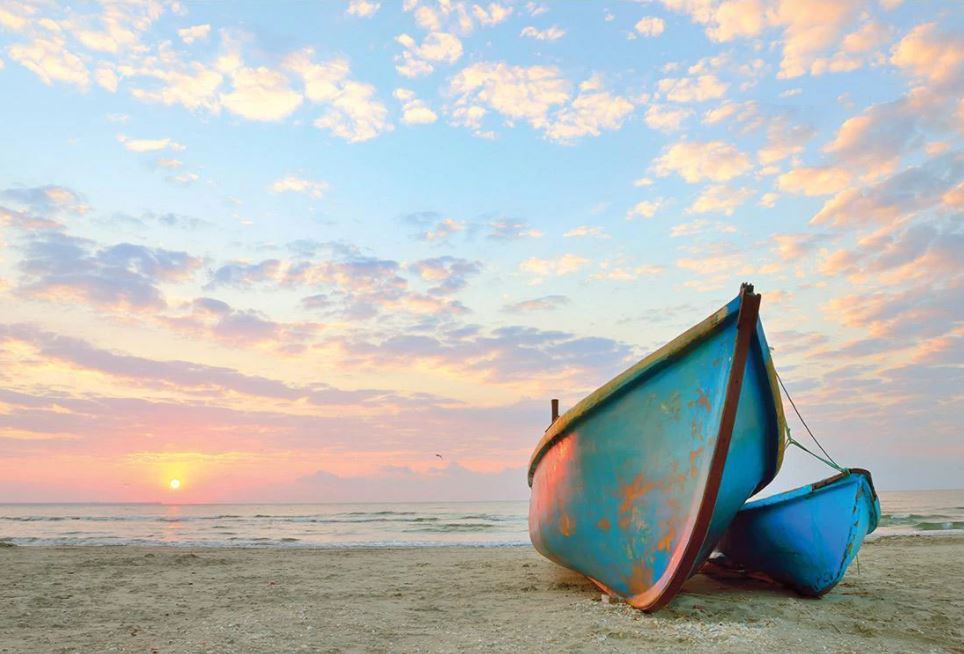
(159, 599)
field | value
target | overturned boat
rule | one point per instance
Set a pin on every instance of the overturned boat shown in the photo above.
(807, 537)
(634, 486)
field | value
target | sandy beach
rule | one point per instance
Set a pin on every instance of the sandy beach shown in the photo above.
(905, 598)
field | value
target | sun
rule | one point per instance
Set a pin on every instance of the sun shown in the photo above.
(175, 484)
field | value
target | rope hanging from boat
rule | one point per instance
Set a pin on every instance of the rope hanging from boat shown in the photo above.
(791, 441)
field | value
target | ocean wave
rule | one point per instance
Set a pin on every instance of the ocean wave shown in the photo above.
(946, 525)
(453, 527)
(251, 543)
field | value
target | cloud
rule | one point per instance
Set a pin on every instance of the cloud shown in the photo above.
(930, 53)
(149, 145)
(544, 303)
(667, 118)
(875, 140)
(896, 198)
(194, 33)
(260, 94)
(720, 199)
(153, 373)
(584, 231)
(213, 319)
(564, 264)
(363, 8)
(625, 273)
(700, 226)
(517, 92)
(650, 26)
(793, 247)
(722, 264)
(242, 274)
(437, 47)
(551, 33)
(50, 60)
(352, 111)
(692, 89)
(507, 354)
(414, 111)
(183, 179)
(508, 229)
(783, 138)
(593, 110)
(809, 29)
(824, 180)
(645, 209)
(697, 161)
(192, 85)
(118, 277)
(48, 200)
(106, 78)
(768, 200)
(493, 15)
(448, 274)
(295, 184)
(352, 285)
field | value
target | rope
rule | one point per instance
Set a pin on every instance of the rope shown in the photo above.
(829, 459)
(829, 462)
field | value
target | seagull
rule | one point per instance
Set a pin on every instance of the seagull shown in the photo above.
(438, 455)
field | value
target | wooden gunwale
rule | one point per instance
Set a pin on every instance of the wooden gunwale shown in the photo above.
(662, 593)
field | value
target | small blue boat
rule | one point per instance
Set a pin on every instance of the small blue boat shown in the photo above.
(805, 538)
(634, 486)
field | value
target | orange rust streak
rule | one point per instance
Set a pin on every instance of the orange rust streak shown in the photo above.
(666, 542)
(631, 492)
(703, 400)
(566, 525)
(694, 456)
(641, 578)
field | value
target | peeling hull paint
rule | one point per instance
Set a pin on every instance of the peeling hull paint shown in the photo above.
(645, 461)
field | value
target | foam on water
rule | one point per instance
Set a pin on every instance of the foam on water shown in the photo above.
(481, 524)
(920, 512)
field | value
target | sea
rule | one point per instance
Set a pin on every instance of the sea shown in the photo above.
(435, 524)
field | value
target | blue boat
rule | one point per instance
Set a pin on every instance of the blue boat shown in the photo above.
(634, 486)
(804, 538)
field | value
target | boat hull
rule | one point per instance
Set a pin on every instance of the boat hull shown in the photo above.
(805, 538)
(635, 485)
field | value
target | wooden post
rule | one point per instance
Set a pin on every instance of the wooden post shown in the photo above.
(555, 410)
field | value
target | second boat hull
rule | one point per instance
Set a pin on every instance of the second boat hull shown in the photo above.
(805, 538)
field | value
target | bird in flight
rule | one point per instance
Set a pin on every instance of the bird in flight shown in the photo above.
(438, 455)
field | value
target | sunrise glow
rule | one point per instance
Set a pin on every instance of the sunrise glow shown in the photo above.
(319, 252)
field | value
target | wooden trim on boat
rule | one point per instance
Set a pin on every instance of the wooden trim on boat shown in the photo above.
(777, 399)
(661, 594)
(842, 475)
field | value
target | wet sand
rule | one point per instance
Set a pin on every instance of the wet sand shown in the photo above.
(907, 597)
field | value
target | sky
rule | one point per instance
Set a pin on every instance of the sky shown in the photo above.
(329, 251)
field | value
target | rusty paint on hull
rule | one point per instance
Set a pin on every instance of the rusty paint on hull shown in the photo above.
(664, 455)
(807, 537)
